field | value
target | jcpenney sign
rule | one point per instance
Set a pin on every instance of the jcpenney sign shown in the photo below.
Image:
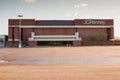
(97, 22)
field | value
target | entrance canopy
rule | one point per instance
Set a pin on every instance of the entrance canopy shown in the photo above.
(54, 37)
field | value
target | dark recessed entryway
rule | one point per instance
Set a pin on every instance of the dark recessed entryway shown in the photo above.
(54, 43)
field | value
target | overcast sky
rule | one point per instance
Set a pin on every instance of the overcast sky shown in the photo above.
(59, 10)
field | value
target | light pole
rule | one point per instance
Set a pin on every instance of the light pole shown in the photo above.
(20, 42)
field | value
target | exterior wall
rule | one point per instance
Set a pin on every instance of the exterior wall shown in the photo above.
(12, 43)
(32, 43)
(16, 34)
(86, 32)
(14, 31)
(77, 43)
(24, 22)
(54, 31)
(116, 43)
(111, 32)
(89, 43)
(107, 22)
(26, 33)
(10, 32)
(108, 33)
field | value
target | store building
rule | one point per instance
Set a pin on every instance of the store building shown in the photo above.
(31, 32)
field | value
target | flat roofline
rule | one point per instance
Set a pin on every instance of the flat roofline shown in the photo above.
(66, 26)
(21, 19)
(54, 20)
(94, 19)
(59, 19)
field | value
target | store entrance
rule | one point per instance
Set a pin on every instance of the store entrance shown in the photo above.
(54, 43)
